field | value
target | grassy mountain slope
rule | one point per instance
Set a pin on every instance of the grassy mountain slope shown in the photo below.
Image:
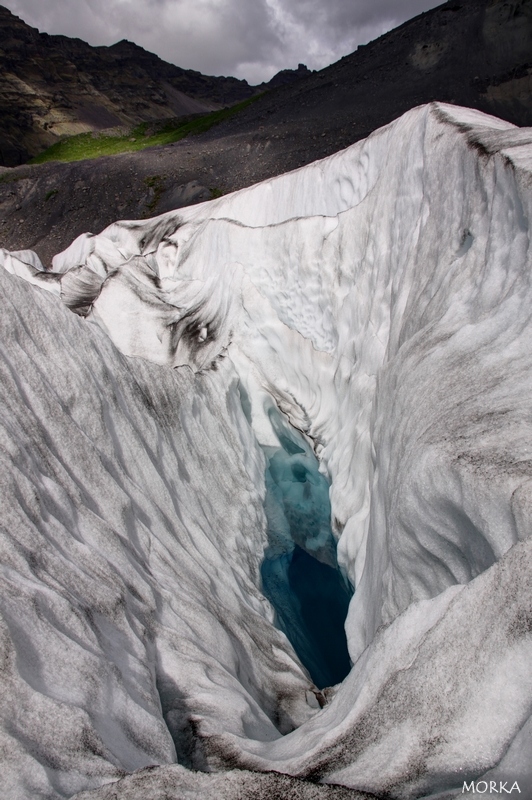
(52, 86)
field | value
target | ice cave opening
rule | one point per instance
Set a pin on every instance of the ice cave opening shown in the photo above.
(300, 573)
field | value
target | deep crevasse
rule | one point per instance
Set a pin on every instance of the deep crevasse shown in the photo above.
(381, 298)
(300, 574)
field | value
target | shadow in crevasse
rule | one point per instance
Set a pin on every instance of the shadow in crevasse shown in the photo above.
(300, 573)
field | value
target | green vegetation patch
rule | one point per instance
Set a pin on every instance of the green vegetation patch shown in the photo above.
(93, 145)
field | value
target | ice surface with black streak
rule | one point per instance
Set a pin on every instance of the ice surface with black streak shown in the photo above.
(381, 301)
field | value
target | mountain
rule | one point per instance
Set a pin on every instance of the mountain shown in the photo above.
(475, 53)
(167, 389)
(56, 86)
(52, 86)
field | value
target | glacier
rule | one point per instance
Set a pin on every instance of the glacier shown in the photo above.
(374, 309)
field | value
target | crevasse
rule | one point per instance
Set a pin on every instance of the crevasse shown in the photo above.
(300, 574)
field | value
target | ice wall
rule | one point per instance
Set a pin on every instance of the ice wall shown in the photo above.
(132, 536)
(381, 299)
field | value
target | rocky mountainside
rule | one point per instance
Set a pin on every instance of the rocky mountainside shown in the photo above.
(475, 53)
(52, 86)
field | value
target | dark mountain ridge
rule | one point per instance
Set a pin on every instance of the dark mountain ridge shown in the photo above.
(53, 86)
(476, 53)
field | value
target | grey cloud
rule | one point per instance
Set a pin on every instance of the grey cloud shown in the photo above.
(251, 39)
(339, 15)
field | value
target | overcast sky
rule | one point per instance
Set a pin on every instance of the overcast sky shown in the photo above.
(250, 39)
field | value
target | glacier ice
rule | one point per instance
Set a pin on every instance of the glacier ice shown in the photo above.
(378, 301)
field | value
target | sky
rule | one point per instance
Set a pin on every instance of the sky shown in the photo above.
(251, 39)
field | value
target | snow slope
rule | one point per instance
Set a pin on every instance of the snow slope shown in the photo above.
(381, 299)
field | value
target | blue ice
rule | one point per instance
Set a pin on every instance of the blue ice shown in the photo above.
(300, 572)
